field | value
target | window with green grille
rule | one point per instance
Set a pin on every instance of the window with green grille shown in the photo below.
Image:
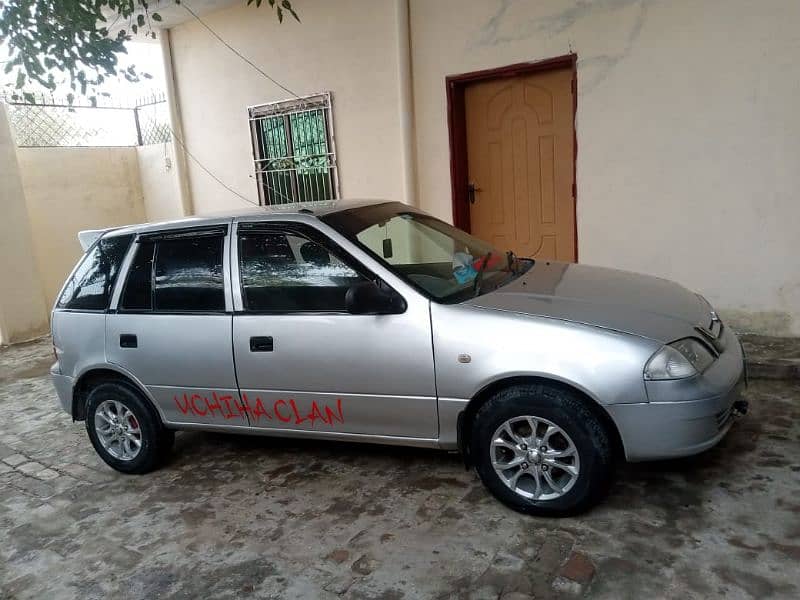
(295, 158)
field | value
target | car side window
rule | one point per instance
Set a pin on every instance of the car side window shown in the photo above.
(138, 292)
(176, 275)
(90, 287)
(284, 271)
(188, 275)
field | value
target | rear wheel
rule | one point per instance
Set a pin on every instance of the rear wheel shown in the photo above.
(125, 430)
(541, 450)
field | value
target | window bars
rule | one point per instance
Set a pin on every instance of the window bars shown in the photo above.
(294, 151)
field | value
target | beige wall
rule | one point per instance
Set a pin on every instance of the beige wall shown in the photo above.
(71, 189)
(348, 47)
(159, 180)
(23, 315)
(688, 133)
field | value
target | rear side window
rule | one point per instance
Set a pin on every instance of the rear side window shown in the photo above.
(188, 275)
(138, 293)
(90, 287)
(176, 275)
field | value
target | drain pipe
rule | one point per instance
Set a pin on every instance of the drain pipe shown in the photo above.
(406, 103)
(176, 124)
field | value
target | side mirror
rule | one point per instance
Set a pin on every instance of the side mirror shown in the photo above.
(366, 298)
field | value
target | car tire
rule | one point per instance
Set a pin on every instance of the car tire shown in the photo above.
(134, 419)
(569, 435)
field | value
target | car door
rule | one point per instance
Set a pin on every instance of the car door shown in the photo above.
(303, 362)
(172, 326)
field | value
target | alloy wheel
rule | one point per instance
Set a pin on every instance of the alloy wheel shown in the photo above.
(535, 458)
(118, 430)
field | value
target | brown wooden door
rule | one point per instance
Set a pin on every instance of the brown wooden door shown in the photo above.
(520, 158)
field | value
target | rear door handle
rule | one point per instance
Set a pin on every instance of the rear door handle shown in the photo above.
(128, 340)
(261, 344)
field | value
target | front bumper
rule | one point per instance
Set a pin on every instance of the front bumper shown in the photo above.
(684, 417)
(63, 385)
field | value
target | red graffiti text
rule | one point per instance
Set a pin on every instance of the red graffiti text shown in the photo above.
(281, 411)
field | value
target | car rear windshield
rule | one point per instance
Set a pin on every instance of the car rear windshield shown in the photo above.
(91, 284)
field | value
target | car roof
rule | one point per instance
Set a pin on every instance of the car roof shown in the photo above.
(256, 213)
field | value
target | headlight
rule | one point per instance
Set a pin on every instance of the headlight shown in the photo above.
(678, 360)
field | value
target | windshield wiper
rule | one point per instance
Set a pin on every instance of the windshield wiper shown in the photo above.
(477, 285)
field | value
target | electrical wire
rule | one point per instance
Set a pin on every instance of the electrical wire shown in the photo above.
(237, 53)
(262, 73)
(217, 179)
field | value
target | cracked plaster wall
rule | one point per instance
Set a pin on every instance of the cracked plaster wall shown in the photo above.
(688, 133)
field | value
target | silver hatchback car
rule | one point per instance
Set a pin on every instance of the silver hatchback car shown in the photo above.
(379, 323)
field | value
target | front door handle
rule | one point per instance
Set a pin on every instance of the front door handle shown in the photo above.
(128, 340)
(261, 344)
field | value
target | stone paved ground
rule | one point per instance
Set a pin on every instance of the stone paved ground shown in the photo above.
(258, 517)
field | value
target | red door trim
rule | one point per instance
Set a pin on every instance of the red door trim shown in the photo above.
(457, 127)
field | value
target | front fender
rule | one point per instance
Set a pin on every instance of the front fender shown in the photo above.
(475, 347)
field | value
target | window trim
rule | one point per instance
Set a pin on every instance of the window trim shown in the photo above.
(222, 231)
(311, 234)
(285, 108)
(188, 232)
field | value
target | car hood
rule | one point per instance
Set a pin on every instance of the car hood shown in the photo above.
(641, 305)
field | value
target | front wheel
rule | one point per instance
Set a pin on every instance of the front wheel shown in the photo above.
(124, 429)
(540, 450)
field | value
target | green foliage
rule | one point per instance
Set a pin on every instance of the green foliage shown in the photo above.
(81, 39)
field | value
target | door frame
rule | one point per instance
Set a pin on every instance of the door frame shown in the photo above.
(457, 127)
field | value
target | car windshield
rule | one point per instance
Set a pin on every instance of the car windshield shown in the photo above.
(446, 263)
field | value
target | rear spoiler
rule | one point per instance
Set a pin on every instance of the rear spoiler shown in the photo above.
(90, 236)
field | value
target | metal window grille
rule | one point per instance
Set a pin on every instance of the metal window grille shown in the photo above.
(294, 151)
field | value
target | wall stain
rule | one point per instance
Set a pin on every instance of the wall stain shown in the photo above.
(594, 69)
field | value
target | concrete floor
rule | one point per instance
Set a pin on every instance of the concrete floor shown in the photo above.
(259, 517)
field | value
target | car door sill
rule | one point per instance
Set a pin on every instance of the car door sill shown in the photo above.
(303, 433)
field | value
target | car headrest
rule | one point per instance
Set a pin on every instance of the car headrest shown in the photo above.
(315, 254)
